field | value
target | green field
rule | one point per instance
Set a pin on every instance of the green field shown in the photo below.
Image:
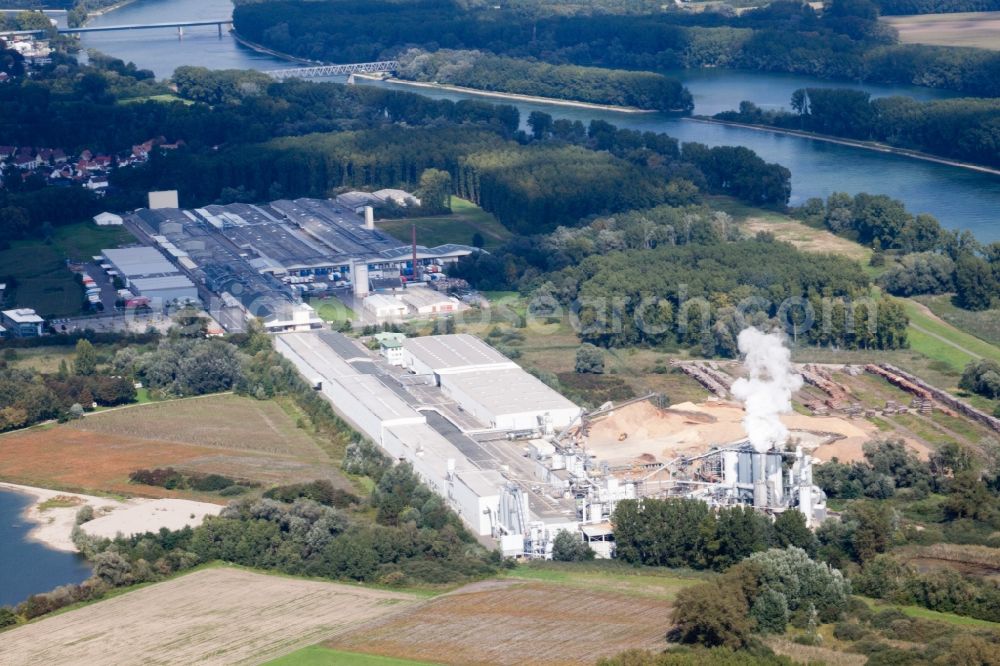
(333, 310)
(610, 576)
(923, 613)
(43, 281)
(943, 342)
(317, 655)
(459, 227)
(984, 325)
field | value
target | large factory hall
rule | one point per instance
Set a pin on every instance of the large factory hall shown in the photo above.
(518, 461)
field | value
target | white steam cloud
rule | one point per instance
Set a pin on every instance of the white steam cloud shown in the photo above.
(767, 393)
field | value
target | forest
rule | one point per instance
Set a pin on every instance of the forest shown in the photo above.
(474, 69)
(331, 136)
(963, 129)
(926, 258)
(845, 42)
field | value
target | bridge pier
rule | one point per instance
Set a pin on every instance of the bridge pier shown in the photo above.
(180, 32)
(219, 26)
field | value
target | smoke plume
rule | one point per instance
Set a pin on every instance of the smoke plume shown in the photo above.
(767, 393)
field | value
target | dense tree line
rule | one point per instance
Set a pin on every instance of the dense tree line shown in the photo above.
(474, 69)
(703, 295)
(28, 397)
(933, 259)
(689, 533)
(557, 175)
(962, 129)
(845, 41)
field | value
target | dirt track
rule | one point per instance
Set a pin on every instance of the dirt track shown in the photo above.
(214, 616)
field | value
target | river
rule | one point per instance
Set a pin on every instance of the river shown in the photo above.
(27, 567)
(959, 198)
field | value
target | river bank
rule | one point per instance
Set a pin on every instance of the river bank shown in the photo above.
(509, 96)
(53, 512)
(260, 48)
(853, 143)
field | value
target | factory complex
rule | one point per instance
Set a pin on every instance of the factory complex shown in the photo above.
(519, 462)
(259, 261)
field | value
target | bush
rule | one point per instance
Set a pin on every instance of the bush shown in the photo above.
(849, 631)
(589, 359)
(568, 547)
(7, 616)
(85, 514)
(770, 611)
(711, 615)
(320, 491)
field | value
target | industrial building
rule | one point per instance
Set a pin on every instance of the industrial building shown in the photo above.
(261, 259)
(486, 384)
(392, 423)
(21, 323)
(146, 272)
(519, 462)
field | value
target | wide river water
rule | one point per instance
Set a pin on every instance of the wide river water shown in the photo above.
(27, 567)
(959, 198)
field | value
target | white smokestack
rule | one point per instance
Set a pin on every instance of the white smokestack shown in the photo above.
(369, 217)
(767, 393)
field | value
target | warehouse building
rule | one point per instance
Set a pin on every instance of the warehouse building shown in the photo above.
(146, 272)
(486, 384)
(391, 422)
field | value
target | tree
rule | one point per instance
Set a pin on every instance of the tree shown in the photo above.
(435, 190)
(478, 240)
(981, 377)
(589, 359)
(85, 361)
(872, 529)
(801, 581)
(711, 615)
(540, 124)
(568, 547)
(974, 283)
(790, 530)
(770, 611)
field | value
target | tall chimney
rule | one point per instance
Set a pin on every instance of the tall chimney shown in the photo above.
(416, 273)
(369, 217)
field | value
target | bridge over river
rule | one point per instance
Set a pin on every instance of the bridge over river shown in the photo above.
(180, 25)
(333, 70)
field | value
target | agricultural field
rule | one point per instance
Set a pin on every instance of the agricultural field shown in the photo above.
(217, 615)
(43, 281)
(231, 435)
(317, 655)
(976, 29)
(465, 220)
(513, 622)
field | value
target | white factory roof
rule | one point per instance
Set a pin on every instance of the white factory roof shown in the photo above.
(456, 353)
(108, 219)
(378, 398)
(509, 391)
(139, 261)
(381, 302)
(23, 316)
(421, 296)
(318, 355)
(163, 282)
(483, 482)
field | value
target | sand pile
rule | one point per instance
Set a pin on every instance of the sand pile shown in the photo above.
(640, 431)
